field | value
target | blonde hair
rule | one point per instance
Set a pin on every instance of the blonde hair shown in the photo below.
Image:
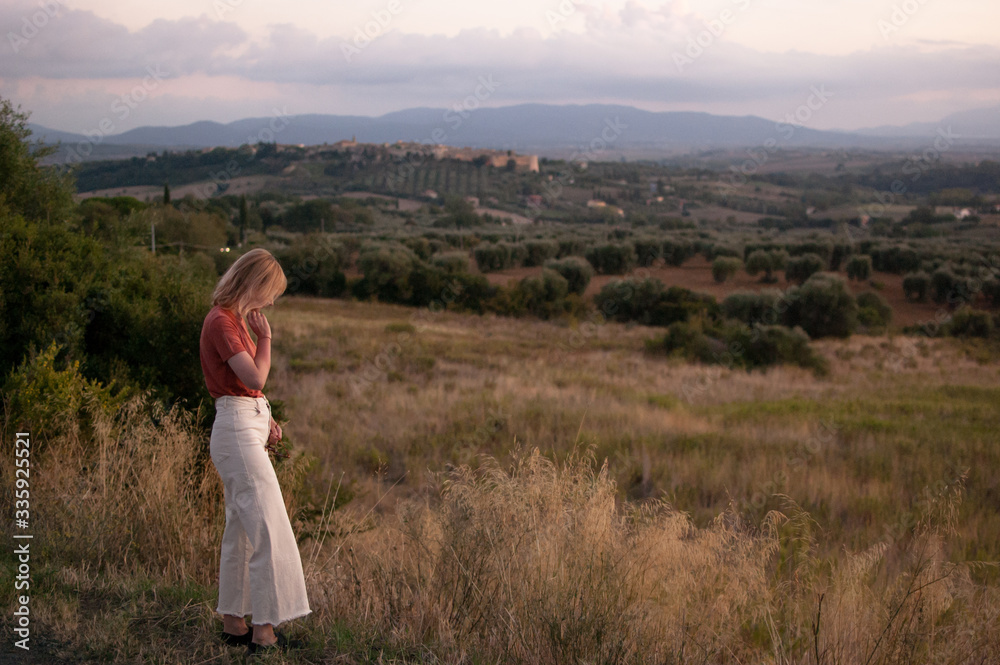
(256, 277)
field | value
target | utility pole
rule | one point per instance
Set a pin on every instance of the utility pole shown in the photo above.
(152, 226)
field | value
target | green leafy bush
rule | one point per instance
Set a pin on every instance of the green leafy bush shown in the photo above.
(735, 345)
(916, 286)
(859, 268)
(537, 252)
(612, 258)
(647, 301)
(874, 313)
(968, 322)
(767, 307)
(767, 262)
(676, 251)
(725, 267)
(577, 271)
(823, 306)
(800, 268)
(451, 262)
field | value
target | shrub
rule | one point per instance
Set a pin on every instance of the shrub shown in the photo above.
(575, 269)
(944, 285)
(894, 259)
(823, 307)
(537, 252)
(735, 345)
(48, 396)
(544, 295)
(873, 311)
(766, 261)
(916, 286)
(313, 265)
(676, 252)
(725, 267)
(801, 268)
(647, 251)
(714, 251)
(751, 308)
(821, 249)
(612, 258)
(491, 257)
(968, 322)
(571, 247)
(859, 268)
(646, 302)
(386, 269)
(451, 262)
(991, 290)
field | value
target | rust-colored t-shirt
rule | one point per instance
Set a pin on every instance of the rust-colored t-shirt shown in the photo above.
(223, 335)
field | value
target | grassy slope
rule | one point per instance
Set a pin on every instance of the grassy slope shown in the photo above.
(388, 397)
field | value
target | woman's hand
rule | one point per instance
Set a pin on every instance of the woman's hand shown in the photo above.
(258, 324)
(275, 434)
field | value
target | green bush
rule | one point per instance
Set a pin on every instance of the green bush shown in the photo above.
(894, 259)
(735, 345)
(766, 261)
(647, 251)
(47, 396)
(676, 252)
(491, 257)
(537, 252)
(874, 313)
(451, 262)
(725, 267)
(612, 258)
(577, 271)
(800, 268)
(946, 286)
(544, 295)
(968, 322)
(572, 247)
(822, 306)
(766, 307)
(916, 286)
(648, 302)
(859, 268)
(313, 265)
(386, 269)
(991, 290)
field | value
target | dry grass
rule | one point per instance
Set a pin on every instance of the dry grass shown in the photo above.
(511, 491)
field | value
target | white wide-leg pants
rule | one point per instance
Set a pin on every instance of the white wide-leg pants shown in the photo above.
(260, 572)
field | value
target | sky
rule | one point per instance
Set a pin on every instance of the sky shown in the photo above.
(106, 66)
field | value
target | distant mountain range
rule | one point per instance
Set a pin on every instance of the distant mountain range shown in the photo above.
(556, 130)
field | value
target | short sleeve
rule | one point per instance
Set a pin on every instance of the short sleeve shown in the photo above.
(226, 338)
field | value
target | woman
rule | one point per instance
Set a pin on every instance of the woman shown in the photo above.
(260, 571)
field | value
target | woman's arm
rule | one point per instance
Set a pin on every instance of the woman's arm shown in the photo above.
(253, 371)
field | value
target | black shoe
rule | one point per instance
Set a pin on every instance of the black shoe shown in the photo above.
(283, 644)
(237, 640)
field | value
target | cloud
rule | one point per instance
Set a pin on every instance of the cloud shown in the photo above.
(660, 57)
